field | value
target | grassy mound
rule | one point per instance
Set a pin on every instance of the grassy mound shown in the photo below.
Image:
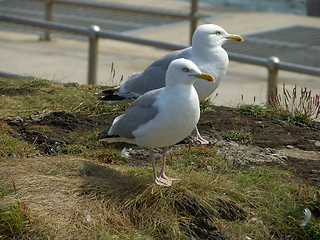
(87, 190)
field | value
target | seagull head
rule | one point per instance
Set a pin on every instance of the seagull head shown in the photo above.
(184, 71)
(211, 35)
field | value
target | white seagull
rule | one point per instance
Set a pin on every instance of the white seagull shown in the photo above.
(206, 52)
(162, 117)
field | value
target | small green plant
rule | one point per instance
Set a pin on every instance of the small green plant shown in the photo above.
(73, 149)
(239, 136)
(10, 146)
(297, 117)
(251, 109)
(48, 96)
(195, 159)
(294, 107)
(205, 106)
(15, 220)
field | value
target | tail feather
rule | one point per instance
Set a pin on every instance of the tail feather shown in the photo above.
(103, 136)
(109, 95)
(115, 97)
(115, 138)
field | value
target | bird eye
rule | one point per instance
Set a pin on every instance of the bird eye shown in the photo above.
(186, 69)
(218, 33)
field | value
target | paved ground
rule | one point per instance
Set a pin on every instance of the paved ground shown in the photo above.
(65, 60)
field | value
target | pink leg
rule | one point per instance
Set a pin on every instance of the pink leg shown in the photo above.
(162, 174)
(158, 181)
(199, 138)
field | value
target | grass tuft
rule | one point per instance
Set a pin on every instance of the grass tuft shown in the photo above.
(296, 107)
(15, 220)
(239, 136)
(45, 96)
(251, 109)
(12, 147)
(205, 106)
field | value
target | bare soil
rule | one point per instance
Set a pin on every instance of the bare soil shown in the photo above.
(301, 144)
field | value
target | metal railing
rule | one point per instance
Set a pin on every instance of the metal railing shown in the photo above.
(93, 33)
(193, 16)
(272, 64)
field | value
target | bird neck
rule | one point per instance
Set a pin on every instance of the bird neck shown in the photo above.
(175, 88)
(207, 53)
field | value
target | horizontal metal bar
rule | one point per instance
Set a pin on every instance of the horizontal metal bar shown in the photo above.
(126, 38)
(85, 31)
(279, 66)
(298, 68)
(123, 8)
(44, 24)
(247, 59)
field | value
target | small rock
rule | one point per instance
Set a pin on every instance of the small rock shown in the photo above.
(289, 146)
(125, 153)
(317, 144)
(209, 168)
(314, 171)
(19, 119)
(10, 154)
(88, 218)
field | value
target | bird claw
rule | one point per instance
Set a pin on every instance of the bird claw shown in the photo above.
(164, 181)
(202, 140)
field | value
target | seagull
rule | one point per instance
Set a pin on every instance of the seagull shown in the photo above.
(206, 52)
(161, 117)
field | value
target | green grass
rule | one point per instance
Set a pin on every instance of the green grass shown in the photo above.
(10, 146)
(205, 106)
(15, 219)
(251, 109)
(239, 136)
(296, 106)
(124, 204)
(47, 96)
(265, 193)
(296, 116)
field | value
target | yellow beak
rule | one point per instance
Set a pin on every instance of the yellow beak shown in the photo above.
(234, 37)
(205, 76)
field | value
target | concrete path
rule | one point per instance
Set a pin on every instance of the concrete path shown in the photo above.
(65, 60)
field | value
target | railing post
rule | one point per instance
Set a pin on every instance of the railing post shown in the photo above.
(93, 54)
(272, 77)
(194, 18)
(48, 17)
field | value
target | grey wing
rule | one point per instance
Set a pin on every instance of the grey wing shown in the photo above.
(140, 112)
(152, 77)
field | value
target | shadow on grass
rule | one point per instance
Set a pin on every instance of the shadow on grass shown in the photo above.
(106, 182)
(171, 211)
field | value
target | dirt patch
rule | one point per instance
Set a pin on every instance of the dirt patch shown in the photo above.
(301, 144)
(56, 129)
(16, 91)
(265, 130)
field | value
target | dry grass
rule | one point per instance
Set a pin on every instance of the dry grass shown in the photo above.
(93, 195)
(303, 106)
(42, 97)
(74, 198)
(63, 193)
